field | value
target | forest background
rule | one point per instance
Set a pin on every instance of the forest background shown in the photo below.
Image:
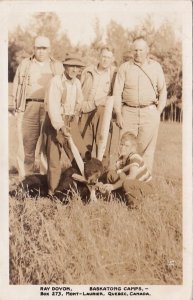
(165, 47)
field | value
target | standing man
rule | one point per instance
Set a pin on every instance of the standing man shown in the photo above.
(97, 84)
(30, 82)
(140, 96)
(63, 105)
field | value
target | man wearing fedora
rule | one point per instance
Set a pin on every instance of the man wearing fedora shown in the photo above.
(63, 105)
(29, 86)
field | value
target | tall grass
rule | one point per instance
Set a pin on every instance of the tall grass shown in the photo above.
(104, 242)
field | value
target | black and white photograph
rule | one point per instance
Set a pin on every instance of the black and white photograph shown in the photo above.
(96, 162)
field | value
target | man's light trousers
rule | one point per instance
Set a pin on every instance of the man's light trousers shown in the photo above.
(144, 124)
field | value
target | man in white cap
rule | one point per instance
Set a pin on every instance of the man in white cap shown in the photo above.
(63, 105)
(30, 82)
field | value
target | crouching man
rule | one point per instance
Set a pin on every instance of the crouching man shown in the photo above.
(131, 177)
(63, 105)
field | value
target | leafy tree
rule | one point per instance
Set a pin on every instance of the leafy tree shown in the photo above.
(117, 38)
(97, 42)
(47, 24)
(146, 30)
(168, 50)
(164, 46)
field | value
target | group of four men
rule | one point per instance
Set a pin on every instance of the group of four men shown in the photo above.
(50, 100)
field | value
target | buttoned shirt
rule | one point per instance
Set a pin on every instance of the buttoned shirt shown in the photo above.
(133, 87)
(39, 76)
(62, 98)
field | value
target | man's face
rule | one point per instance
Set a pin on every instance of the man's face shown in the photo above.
(125, 148)
(72, 71)
(105, 59)
(140, 49)
(41, 53)
(121, 162)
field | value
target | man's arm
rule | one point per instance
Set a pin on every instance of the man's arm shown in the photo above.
(162, 92)
(15, 87)
(109, 187)
(79, 99)
(117, 93)
(88, 105)
(20, 83)
(118, 88)
(119, 183)
(54, 102)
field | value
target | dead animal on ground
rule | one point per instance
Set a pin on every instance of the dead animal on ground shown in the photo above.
(71, 180)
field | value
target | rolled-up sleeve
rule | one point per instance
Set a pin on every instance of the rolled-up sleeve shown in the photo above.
(54, 102)
(162, 91)
(118, 88)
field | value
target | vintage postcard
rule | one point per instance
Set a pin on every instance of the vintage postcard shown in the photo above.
(96, 150)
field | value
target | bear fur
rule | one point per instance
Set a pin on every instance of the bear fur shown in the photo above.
(36, 185)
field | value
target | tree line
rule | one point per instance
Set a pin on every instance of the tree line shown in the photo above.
(165, 47)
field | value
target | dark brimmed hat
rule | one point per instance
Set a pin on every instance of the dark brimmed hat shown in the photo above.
(73, 60)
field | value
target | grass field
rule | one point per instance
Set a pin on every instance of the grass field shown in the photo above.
(103, 242)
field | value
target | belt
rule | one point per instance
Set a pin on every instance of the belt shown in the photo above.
(138, 106)
(34, 100)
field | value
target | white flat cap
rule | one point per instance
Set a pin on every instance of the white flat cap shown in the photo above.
(42, 41)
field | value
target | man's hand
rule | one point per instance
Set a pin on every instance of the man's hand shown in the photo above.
(78, 108)
(104, 188)
(66, 131)
(62, 134)
(108, 187)
(119, 120)
(102, 101)
(12, 110)
(99, 185)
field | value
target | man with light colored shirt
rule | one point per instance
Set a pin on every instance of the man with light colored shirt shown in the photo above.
(63, 105)
(140, 96)
(97, 84)
(29, 86)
